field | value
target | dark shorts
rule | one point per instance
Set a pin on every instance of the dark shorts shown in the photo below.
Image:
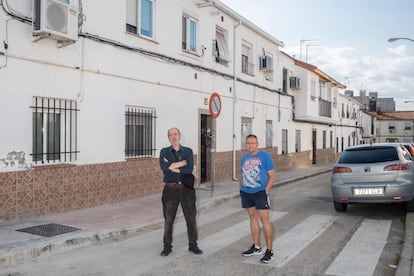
(260, 200)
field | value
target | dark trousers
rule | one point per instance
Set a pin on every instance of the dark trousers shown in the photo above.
(171, 198)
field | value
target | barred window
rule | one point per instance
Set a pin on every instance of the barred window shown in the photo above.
(139, 132)
(54, 130)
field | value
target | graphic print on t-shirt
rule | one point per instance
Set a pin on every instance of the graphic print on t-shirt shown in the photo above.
(251, 172)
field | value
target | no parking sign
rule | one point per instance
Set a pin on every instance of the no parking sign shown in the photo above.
(215, 105)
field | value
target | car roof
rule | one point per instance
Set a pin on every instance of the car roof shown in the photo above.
(396, 145)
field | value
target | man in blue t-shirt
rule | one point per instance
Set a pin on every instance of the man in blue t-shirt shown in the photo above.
(258, 172)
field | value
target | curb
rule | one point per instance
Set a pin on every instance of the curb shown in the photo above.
(405, 266)
(25, 252)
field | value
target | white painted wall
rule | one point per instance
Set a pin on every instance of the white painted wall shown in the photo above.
(104, 79)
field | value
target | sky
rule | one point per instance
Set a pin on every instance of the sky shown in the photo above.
(347, 39)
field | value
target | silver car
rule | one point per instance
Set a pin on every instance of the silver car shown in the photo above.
(373, 173)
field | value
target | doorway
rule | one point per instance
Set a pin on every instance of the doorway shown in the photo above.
(205, 147)
(314, 146)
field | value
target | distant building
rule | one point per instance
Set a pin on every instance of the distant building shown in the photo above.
(394, 126)
(372, 102)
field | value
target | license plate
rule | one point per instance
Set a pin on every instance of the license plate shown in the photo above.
(368, 191)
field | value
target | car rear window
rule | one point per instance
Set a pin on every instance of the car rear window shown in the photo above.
(369, 155)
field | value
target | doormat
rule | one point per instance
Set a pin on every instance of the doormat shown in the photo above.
(49, 230)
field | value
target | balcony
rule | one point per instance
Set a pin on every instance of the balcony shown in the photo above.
(325, 108)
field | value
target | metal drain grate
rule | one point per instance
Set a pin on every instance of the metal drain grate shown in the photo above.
(49, 230)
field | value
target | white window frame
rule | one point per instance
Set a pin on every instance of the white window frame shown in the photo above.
(221, 51)
(245, 129)
(247, 66)
(187, 34)
(269, 133)
(134, 20)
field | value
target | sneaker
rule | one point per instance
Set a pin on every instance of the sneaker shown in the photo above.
(267, 257)
(252, 251)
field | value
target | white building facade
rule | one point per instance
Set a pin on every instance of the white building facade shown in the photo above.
(90, 88)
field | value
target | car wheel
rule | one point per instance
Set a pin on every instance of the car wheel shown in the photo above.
(340, 206)
(409, 205)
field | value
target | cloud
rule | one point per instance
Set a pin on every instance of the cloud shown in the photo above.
(400, 50)
(390, 75)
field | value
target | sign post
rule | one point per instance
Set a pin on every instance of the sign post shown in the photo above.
(215, 109)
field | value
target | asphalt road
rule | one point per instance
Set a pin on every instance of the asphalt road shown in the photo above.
(310, 238)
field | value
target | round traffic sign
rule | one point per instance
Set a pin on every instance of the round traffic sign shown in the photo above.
(215, 105)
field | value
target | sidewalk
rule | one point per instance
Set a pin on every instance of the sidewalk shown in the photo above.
(129, 218)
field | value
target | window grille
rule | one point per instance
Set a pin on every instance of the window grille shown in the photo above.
(139, 132)
(54, 130)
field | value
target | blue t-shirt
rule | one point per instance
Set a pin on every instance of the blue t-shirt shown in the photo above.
(254, 169)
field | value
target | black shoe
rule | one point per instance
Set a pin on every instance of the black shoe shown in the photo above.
(195, 250)
(165, 252)
(267, 257)
(253, 250)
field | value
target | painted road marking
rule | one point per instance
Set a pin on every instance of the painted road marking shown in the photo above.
(220, 240)
(295, 240)
(361, 254)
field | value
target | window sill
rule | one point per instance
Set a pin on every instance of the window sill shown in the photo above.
(142, 37)
(190, 54)
(55, 166)
(249, 74)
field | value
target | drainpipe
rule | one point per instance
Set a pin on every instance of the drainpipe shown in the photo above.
(234, 101)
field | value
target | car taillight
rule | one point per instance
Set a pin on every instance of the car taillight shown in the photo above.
(341, 170)
(396, 167)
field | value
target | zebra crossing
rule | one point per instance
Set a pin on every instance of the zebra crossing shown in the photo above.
(359, 254)
(295, 240)
(359, 257)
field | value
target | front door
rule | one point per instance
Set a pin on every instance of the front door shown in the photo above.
(205, 147)
(314, 146)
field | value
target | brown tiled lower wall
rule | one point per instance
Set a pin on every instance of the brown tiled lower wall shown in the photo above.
(52, 189)
(224, 161)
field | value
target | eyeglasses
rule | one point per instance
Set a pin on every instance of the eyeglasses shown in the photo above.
(251, 143)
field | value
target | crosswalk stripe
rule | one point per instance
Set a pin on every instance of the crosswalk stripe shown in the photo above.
(361, 254)
(224, 238)
(151, 243)
(295, 240)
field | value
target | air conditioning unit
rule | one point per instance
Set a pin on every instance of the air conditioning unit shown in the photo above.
(266, 63)
(57, 19)
(294, 82)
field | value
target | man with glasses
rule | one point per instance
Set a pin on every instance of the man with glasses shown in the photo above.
(258, 175)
